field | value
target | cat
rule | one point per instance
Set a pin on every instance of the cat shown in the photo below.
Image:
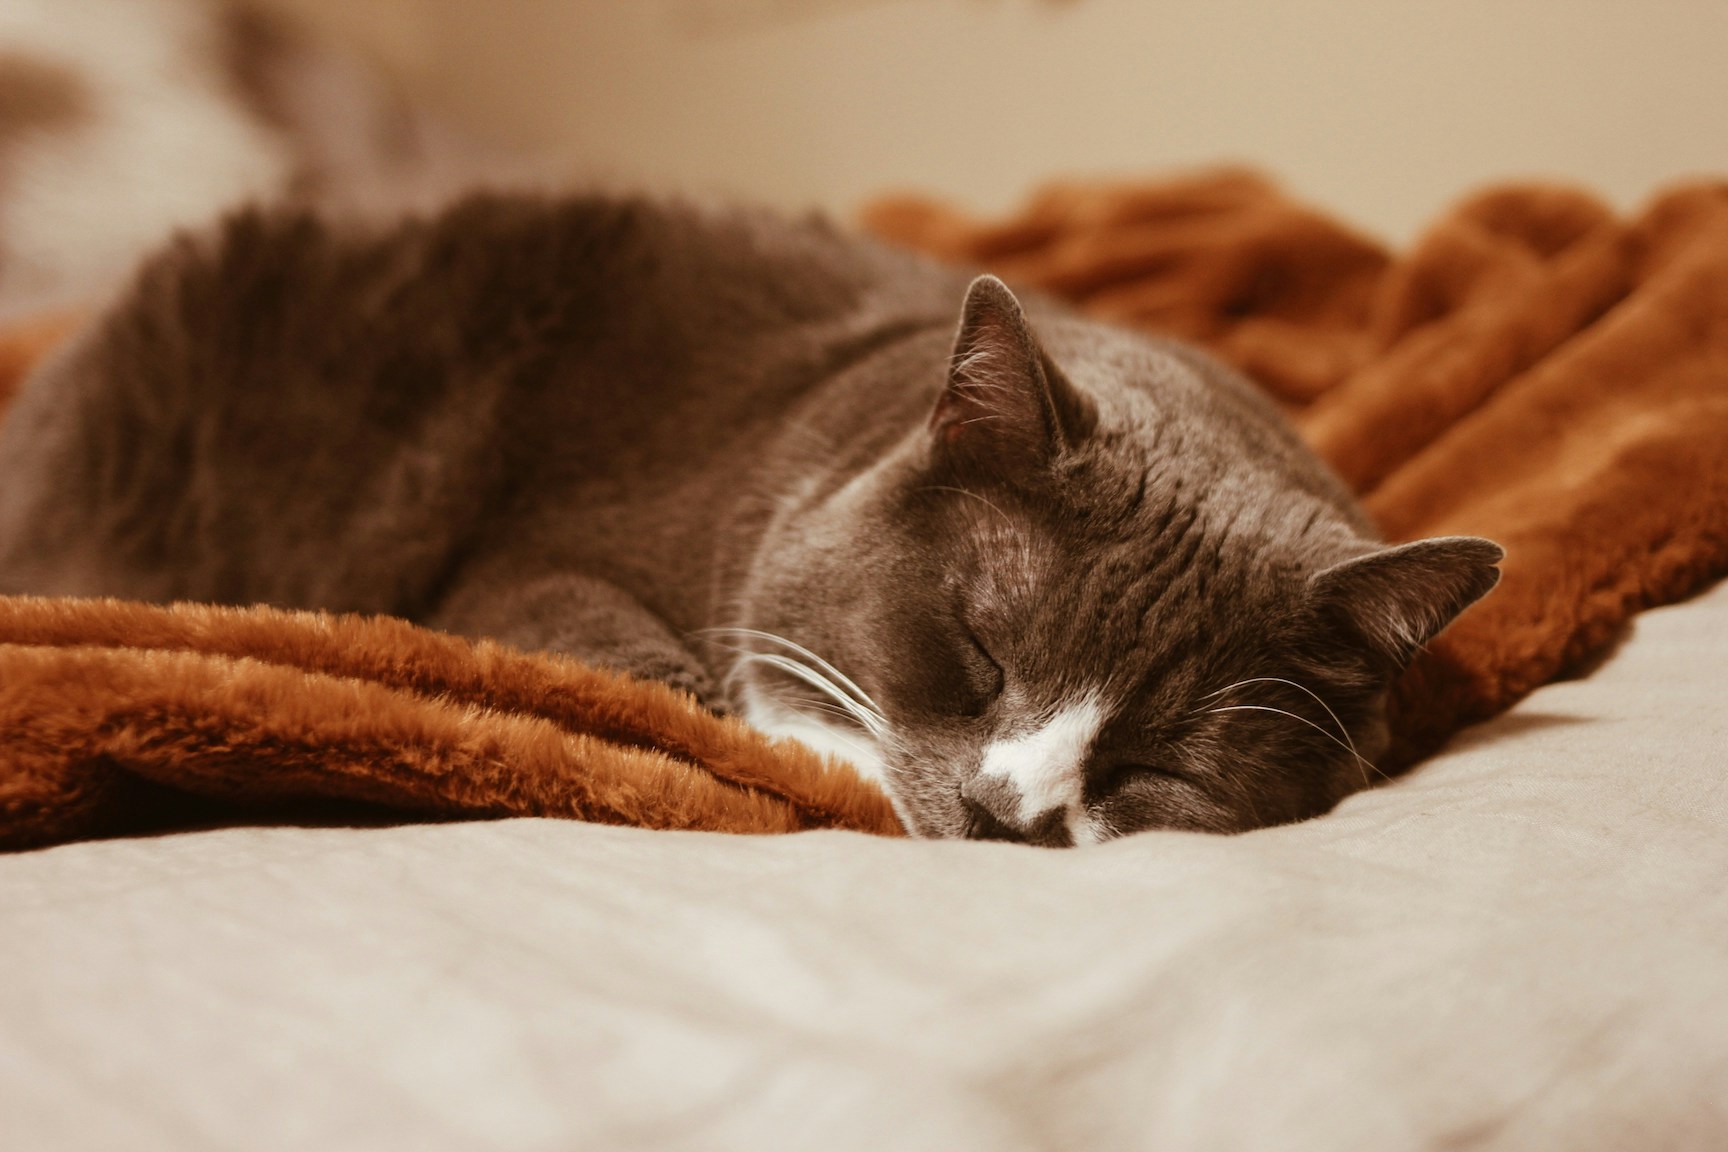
(1045, 579)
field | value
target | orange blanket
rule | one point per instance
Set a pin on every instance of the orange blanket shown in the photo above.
(1535, 370)
(117, 715)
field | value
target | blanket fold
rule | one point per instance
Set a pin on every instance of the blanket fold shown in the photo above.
(258, 705)
(1536, 369)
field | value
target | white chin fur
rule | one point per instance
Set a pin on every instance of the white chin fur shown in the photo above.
(842, 742)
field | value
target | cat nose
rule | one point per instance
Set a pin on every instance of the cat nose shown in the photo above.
(981, 825)
(990, 805)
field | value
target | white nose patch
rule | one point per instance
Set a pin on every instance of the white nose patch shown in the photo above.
(1046, 765)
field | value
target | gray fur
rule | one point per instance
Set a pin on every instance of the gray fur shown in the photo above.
(610, 427)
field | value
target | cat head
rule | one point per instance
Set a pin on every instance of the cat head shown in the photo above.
(1096, 590)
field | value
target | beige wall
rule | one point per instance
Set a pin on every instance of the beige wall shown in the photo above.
(1381, 109)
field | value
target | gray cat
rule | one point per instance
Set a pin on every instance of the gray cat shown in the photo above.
(1047, 580)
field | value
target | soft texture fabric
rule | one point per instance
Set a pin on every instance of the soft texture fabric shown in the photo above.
(100, 697)
(1535, 370)
(1521, 946)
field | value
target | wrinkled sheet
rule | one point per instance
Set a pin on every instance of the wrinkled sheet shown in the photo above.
(1524, 944)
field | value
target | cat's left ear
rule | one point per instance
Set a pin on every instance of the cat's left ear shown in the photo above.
(1006, 410)
(1397, 599)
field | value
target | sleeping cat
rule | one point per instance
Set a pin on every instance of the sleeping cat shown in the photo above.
(1047, 580)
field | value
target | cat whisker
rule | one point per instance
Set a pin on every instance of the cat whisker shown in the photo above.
(865, 755)
(1226, 688)
(801, 703)
(1315, 696)
(1364, 764)
(867, 719)
(963, 492)
(808, 704)
(859, 708)
(1343, 731)
(837, 676)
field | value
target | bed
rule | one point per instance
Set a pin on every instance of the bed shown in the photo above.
(1522, 944)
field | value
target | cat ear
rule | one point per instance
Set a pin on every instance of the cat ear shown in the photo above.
(1006, 408)
(1399, 598)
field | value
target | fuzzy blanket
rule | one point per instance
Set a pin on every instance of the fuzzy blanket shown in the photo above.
(1535, 370)
(122, 716)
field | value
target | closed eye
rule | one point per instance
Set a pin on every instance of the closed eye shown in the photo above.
(1122, 776)
(983, 674)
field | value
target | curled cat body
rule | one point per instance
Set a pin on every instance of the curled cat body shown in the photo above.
(1046, 579)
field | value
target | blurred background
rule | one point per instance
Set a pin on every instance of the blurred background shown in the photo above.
(1380, 111)
(121, 120)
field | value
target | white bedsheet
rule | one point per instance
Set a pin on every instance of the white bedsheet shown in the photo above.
(1524, 945)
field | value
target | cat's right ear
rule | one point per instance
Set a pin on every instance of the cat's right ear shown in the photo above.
(1006, 410)
(1394, 600)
